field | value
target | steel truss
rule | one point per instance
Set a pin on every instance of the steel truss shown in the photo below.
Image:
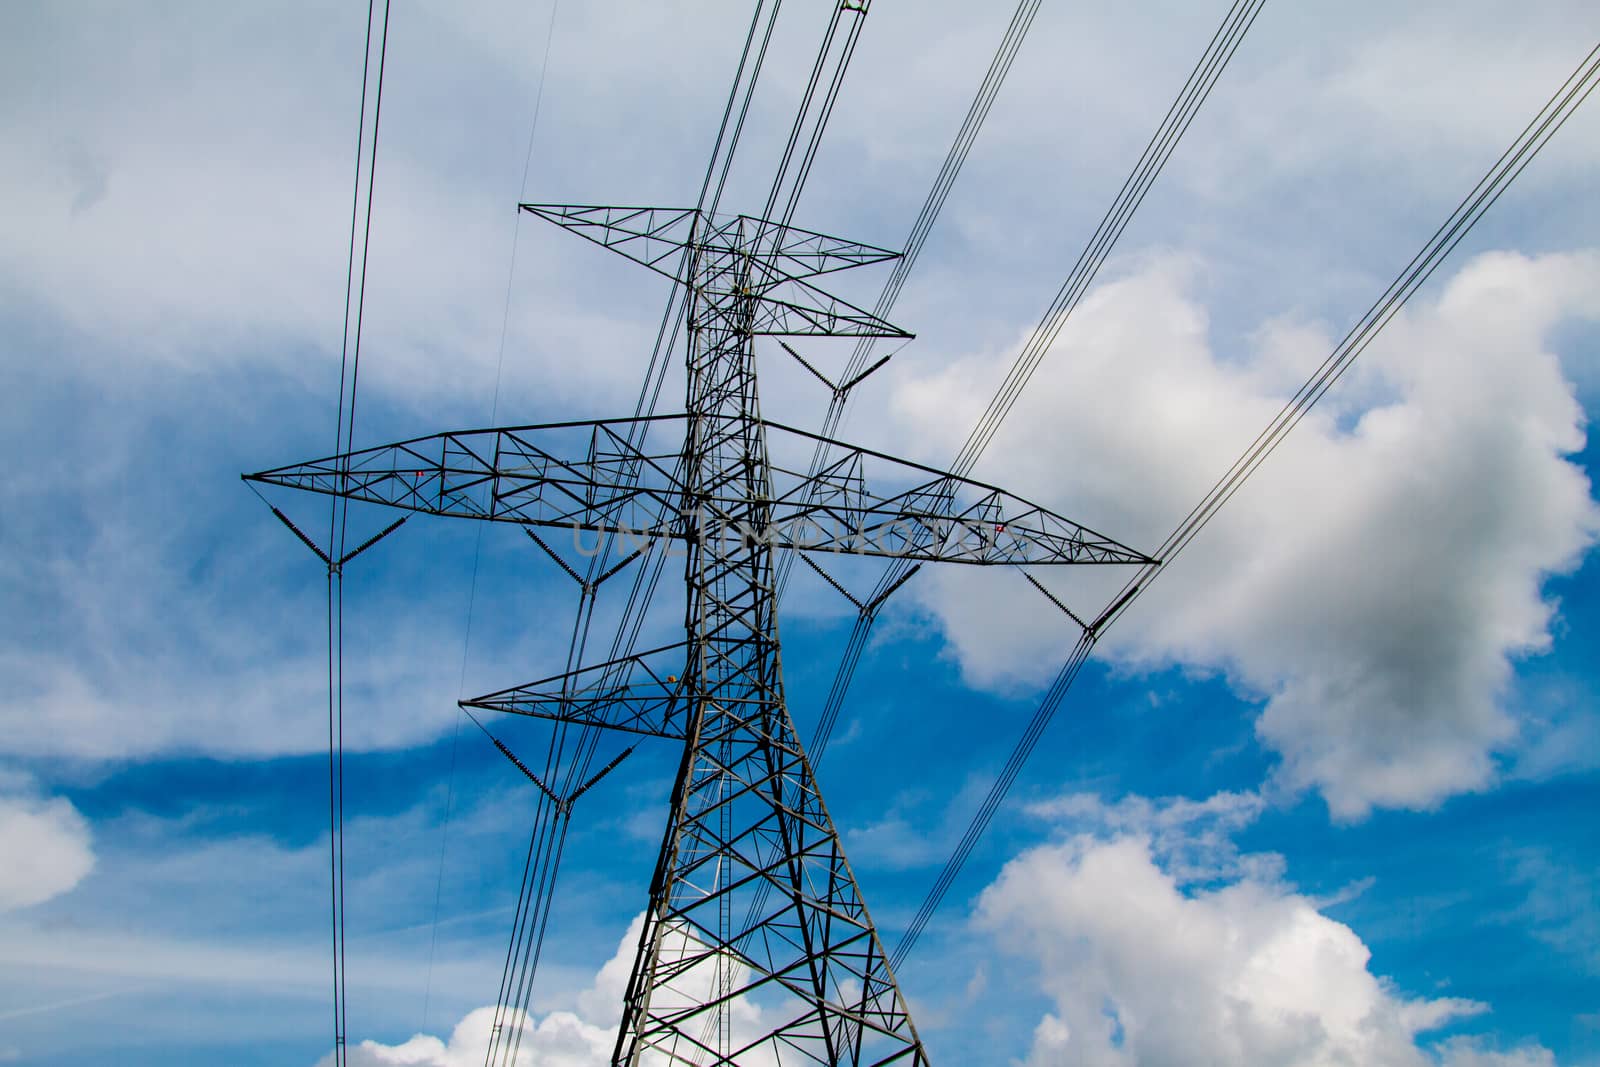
(587, 476)
(757, 947)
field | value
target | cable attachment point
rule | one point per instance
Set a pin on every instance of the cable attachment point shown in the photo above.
(374, 539)
(337, 566)
(312, 545)
(877, 602)
(563, 805)
(1085, 627)
(809, 562)
(586, 587)
(839, 391)
(1106, 615)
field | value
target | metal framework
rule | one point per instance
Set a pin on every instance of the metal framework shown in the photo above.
(757, 947)
(520, 475)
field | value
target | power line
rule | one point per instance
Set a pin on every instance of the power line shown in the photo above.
(994, 77)
(477, 550)
(338, 520)
(534, 896)
(1202, 79)
(1477, 202)
(996, 795)
(1196, 89)
(988, 89)
(1544, 125)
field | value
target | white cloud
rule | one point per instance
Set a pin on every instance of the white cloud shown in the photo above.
(1192, 839)
(560, 1039)
(157, 868)
(46, 845)
(1468, 1052)
(186, 208)
(1147, 968)
(582, 1036)
(1376, 582)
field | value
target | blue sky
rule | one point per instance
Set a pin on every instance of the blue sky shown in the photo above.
(1326, 795)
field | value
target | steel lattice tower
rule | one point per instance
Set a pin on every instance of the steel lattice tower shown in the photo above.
(757, 946)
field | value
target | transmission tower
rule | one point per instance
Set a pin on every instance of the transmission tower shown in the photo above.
(757, 946)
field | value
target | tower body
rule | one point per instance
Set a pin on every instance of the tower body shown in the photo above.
(757, 948)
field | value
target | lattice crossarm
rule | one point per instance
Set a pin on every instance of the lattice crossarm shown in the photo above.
(934, 516)
(515, 475)
(644, 693)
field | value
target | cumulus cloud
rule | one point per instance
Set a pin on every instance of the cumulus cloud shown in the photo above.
(46, 843)
(560, 1039)
(1192, 839)
(583, 1035)
(1376, 582)
(1151, 964)
(578, 1036)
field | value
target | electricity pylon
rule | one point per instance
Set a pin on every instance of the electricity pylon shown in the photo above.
(757, 947)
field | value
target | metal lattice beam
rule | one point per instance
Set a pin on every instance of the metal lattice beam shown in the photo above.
(587, 477)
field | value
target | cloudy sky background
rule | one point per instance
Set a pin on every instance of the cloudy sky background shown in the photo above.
(1325, 796)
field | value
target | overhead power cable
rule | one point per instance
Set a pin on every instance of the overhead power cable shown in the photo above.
(1572, 93)
(1195, 91)
(543, 856)
(338, 520)
(944, 181)
(1557, 110)
(477, 549)
(991, 803)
